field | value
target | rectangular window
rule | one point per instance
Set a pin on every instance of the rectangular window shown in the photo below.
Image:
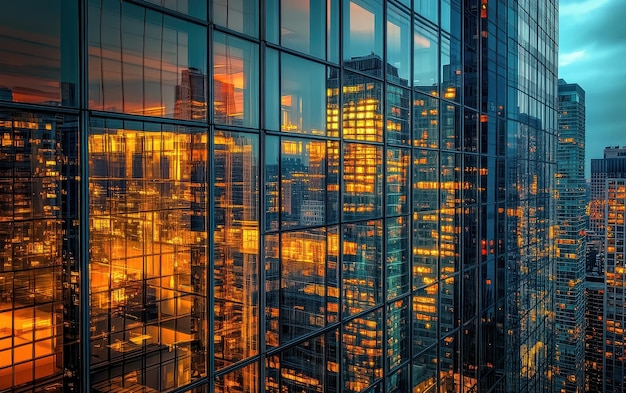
(39, 46)
(235, 81)
(156, 66)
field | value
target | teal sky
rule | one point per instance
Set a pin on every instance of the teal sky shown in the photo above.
(592, 53)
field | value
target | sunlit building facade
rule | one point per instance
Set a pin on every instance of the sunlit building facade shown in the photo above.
(277, 195)
(570, 240)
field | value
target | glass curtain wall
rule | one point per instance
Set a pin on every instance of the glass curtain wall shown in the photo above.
(285, 195)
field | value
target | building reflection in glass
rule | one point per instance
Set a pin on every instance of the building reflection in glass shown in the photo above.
(148, 254)
(236, 239)
(38, 244)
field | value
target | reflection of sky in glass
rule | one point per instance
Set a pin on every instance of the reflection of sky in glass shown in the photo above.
(364, 35)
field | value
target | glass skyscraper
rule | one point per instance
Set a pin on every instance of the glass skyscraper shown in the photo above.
(570, 240)
(277, 195)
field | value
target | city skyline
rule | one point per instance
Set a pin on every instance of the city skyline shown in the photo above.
(592, 53)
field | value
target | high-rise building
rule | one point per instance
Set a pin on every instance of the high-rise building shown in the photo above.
(570, 240)
(594, 315)
(277, 195)
(612, 165)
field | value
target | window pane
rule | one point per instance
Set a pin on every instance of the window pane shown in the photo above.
(38, 238)
(238, 15)
(425, 248)
(425, 373)
(362, 107)
(398, 46)
(236, 231)
(303, 291)
(398, 332)
(425, 63)
(362, 181)
(425, 317)
(449, 306)
(451, 78)
(450, 126)
(303, 100)
(39, 46)
(362, 270)
(425, 180)
(155, 67)
(244, 379)
(195, 8)
(425, 121)
(272, 183)
(272, 83)
(362, 352)
(398, 272)
(398, 161)
(427, 8)
(303, 26)
(363, 35)
(147, 195)
(235, 81)
(303, 182)
(397, 128)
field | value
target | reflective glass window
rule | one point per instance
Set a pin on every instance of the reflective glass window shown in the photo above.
(425, 59)
(450, 195)
(39, 46)
(398, 122)
(272, 89)
(362, 266)
(271, 260)
(362, 181)
(195, 8)
(451, 16)
(303, 26)
(302, 99)
(244, 379)
(399, 381)
(302, 288)
(236, 244)
(449, 304)
(398, 175)
(310, 366)
(145, 63)
(398, 46)
(397, 261)
(332, 30)
(303, 181)
(398, 332)
(148, 259)
(362, 107)
(362, 352)
(38, 238)
(425, 121)
(427, 9)
(363, 35)
(450, 126)
(425, 248)
(451, 72)
(238, 15)
(470, 131)
(425, 317)
(425, 375)
(425, 180)
(235, 81)
(449, 363)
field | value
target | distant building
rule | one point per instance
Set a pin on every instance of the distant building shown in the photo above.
(570, 240)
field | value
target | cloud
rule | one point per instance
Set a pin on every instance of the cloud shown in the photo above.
(568, 58)
(592, 48)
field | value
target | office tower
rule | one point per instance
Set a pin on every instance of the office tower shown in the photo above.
(594, 315)
(570, 239)
(615, 276)
(277, 195)
(613, 164)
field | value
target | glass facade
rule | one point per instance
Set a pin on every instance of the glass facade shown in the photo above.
(277, 195)
(570, 240)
